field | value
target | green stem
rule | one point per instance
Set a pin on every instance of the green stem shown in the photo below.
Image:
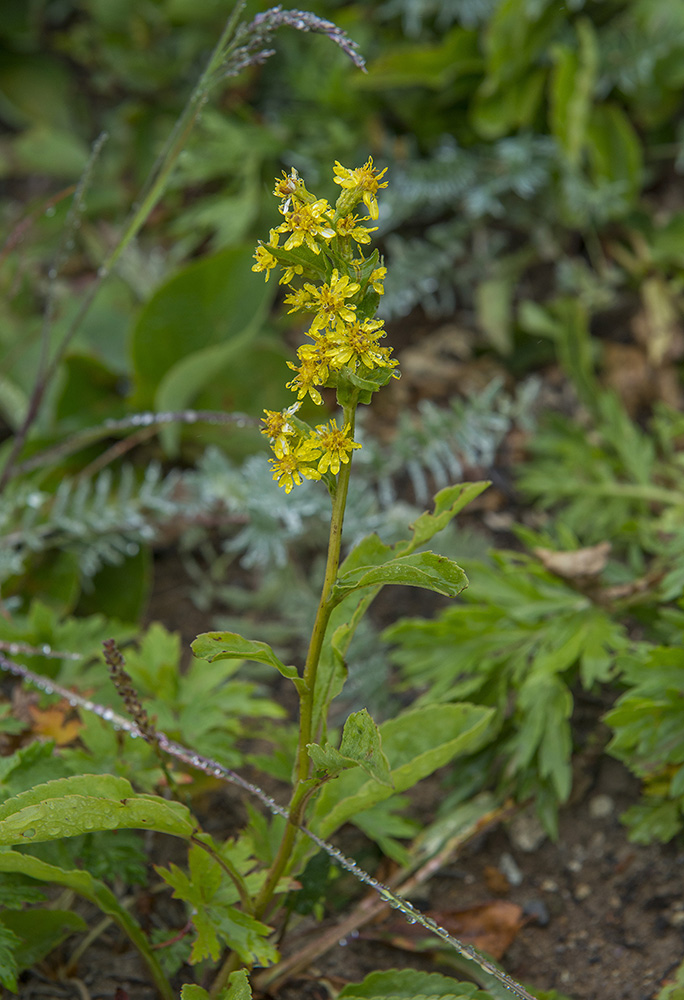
(302, 789)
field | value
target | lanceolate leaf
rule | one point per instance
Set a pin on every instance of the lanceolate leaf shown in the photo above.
(90, 888)
(421, 569)
(86, 803)
(231, 646)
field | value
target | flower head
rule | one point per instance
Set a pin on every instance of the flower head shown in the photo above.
(337, 446)
(376, 280)
(278, 428)
(348, 225)
(358, 344)
(329, 302)
(291, 469)
(305, 223)
(364, 182)
(264, 261)
(310, 374)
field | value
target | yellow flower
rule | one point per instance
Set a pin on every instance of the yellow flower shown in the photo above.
(337, 446)
(264, 261)
(329, 301)
(348, 225)
(300, 300)
(376, 280)
(289, 274)
(305, 223)
(290, 470)
(364, 181)
(278, 428)
(358, 344)
(308, 376)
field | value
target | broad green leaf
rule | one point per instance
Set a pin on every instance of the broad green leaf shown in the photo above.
(434, 66)
(85, 885)
(615, 151)
(361, 746)
(416, 743)
(104, 786)
(494, 311)
(420, 569)
(573, 82)
(9, 966)
(188, 376)
(207, 304)
(40, 930)
(511, 106)
(85, 803)
(409, 984)
(214, 646)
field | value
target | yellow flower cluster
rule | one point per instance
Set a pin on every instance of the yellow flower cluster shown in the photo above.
(324, 243)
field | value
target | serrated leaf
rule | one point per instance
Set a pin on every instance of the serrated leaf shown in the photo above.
(420, 569)
(416, 743)
(448, 503)
(9, 967)
(408, 984)
(361, 746)
(214, 646)
(86, 803)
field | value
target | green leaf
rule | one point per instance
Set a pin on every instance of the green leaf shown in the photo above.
(213, 646)
(361, 746)
(448, 503)
(9, 966)
(573, 82)
(207, 304)
(615, 151)
(238, 989)
(85, 803)
(420, 569)
(434, 66)
(213, 916)
(409, 984)
(97, 892)
(416, 743)
(39, 931)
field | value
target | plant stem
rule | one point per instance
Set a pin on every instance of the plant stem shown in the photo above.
(302, 789)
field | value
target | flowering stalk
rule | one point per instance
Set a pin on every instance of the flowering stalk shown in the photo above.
(340, 287)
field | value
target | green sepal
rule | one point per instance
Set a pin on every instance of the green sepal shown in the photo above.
(361, 746)
(213, 646)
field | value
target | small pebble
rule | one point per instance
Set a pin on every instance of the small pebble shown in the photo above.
(601, 807)
(510, 869)
(526, 832)
(582, 891)
(549, 885)
(536, 908)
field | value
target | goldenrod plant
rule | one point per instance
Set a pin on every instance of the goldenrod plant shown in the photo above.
(234, 889)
